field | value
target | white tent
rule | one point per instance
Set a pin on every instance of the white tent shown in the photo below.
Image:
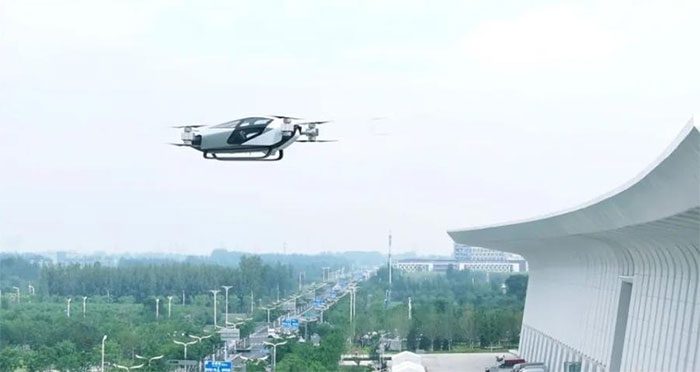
(406, 356)
(407, 367)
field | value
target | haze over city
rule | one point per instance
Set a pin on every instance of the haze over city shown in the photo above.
(447, 117)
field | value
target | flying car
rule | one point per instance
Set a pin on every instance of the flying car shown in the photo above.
(261, 138)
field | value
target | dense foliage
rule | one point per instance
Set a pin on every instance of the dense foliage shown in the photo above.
(458, 310)
(460, 307)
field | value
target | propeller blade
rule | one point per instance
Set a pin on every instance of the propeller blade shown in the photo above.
(285, 117)
(188, 126)
(317, 140)
(180, 144)
(314, 122)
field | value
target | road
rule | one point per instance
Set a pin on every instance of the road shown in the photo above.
(256, 347)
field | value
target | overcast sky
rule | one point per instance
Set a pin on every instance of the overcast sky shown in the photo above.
(494, 111)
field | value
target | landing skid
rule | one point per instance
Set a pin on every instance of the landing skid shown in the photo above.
(265, 157)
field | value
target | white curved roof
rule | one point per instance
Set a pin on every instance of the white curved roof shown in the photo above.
(667, 192)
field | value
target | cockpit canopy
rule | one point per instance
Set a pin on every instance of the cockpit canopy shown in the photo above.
(246, 122)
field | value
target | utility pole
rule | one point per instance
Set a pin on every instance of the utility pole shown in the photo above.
(68, 307)
(84, 305)
(409, 308)
(183, 297)
(252, 302)
(170, 305)
(214, 292)
(226, 288)
(389, 259)
(278, 292)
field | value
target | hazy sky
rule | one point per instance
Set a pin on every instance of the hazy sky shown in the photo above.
(497, 110)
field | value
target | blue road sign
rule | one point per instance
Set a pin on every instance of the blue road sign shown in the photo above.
(291, 323)
(218, 366)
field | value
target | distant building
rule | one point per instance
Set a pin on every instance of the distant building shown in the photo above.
(477, 258)
(417, 265)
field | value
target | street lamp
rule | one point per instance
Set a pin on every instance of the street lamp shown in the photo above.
(149, 359)
(102, 369)
(226, 288)
(128, 368)
(274, 351)
(170, 304)
(84, 301)
(17, 289)
(268, 312)
(68, 307)
(200, 338)
(214, 292)
(157, 306)
(185, 344)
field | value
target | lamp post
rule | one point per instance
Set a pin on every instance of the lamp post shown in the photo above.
(128, 368)
(17, 289)
(149, 359)
(102, 368)
(157, 306)
(274, 351)
(170, 304)
(214, 292)
(68, 306)
(226, 288)
(84, 305)
(200, 338)
(268, 312)
(185, 344)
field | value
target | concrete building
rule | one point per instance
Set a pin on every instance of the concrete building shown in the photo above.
(614, 284)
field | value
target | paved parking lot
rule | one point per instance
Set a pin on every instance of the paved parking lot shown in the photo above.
(471, 362)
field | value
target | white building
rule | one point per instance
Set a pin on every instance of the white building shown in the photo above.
(614, 284)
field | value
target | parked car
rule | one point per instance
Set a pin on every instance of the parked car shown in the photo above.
(510, 362)
(529, 367)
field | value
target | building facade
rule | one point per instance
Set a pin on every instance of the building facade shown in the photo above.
(615, 284)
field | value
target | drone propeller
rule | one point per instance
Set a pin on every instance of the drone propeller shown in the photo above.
(321, 140)
(188, 126)
(285, 117)
(180, 144)
(314, 122)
